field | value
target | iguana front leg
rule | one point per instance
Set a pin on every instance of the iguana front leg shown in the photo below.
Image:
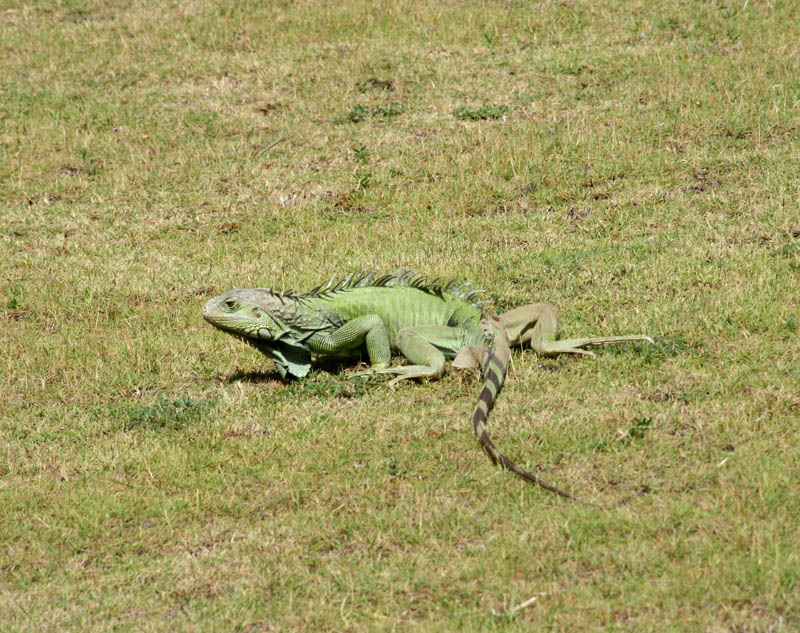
(537, 324)
(368, 330)
(422, 346)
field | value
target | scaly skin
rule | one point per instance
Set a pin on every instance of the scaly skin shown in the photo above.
(425, 322)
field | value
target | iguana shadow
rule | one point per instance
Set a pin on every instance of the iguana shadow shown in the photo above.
(254, 377)
(329, 365)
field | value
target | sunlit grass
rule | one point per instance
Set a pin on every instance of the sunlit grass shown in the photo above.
(635, 165)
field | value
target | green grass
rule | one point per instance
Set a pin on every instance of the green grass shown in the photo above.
(636, 165)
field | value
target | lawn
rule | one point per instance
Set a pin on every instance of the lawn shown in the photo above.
(635, 163)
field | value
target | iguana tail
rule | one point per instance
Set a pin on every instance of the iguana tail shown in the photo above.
(494, 365)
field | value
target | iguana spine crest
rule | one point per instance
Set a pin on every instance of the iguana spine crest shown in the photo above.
(403, 278)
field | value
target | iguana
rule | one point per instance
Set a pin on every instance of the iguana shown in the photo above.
(425, 321)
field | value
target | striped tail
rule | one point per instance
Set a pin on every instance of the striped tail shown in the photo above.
(494, 365)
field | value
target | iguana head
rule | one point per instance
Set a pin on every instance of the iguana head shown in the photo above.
(254, 316)
(245, 313)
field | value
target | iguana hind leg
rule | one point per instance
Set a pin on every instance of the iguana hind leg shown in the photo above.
(537, 324)
(423, 347)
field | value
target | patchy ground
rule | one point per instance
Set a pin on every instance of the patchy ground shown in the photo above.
(636, 165)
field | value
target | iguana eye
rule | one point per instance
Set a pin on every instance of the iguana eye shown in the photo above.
(256, 313)
(230, 303)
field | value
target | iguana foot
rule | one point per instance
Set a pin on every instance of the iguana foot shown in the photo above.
(547, 345)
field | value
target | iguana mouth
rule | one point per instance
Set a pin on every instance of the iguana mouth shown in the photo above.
(232, 325)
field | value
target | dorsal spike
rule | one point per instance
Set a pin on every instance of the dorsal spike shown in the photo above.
(406, 277)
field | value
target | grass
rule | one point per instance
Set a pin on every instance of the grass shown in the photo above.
(636, 165)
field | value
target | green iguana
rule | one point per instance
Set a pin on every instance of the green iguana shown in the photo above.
(426, 321)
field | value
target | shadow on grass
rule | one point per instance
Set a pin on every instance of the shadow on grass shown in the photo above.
(324, 369)
(255, 377)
